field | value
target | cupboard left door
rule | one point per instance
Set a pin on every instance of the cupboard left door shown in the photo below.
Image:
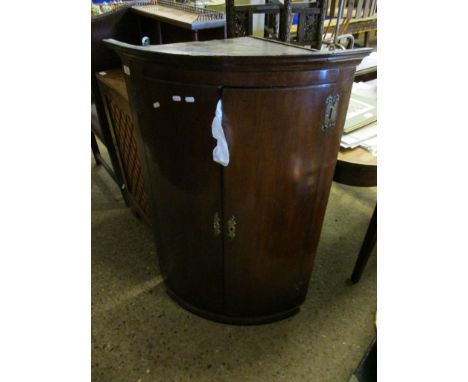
(175, 122)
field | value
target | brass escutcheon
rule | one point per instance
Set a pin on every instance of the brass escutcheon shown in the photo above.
(231, 226)
(216, 224)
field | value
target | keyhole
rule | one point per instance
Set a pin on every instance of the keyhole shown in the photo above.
(331, 112)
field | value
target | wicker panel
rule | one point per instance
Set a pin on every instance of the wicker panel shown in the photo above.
(122, 125)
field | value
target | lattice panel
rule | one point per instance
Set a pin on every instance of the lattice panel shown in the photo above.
(126, 144)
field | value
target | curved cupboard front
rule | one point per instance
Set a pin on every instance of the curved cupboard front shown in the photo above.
(236, 243)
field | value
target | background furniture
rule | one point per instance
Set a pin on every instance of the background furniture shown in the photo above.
(370, 240)
(359, 16)
(110, 115)
(278, 19)
(311, 15)
(115, 99)
(96, 130)
(366, 74)
(237, 243)
(358, 167)
(167, 21)
(367, 368)
(239, 17)
(123, 25)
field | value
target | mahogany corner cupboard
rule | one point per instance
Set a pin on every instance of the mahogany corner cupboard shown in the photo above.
(236, 243)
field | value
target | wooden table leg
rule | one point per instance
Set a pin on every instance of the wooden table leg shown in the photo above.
(367, 246)
(95, 149)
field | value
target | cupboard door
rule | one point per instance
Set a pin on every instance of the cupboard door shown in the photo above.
(186, 186)
(275, 192)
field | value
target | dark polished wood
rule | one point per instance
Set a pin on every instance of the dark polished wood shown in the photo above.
(285, 163)
(186, 188)
(236, 244)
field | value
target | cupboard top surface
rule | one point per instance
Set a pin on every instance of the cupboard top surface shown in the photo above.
(236, 49)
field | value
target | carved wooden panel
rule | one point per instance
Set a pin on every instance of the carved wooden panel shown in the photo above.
(122, 128)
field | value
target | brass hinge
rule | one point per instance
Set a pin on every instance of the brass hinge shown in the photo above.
(216, 224)
(331, 110)
(231, 227)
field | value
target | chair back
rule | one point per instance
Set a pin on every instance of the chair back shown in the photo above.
(278, 19)
(353, 10)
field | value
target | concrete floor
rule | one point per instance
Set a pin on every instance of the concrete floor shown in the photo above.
(140, 335)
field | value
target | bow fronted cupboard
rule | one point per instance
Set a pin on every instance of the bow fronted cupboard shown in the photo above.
(237, 243)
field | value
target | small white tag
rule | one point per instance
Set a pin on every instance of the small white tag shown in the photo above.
(176, 98)
(190, 99)
(126, 70)
(102, 73)
(156, 105)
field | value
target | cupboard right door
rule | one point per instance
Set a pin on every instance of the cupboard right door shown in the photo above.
(275, 191)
